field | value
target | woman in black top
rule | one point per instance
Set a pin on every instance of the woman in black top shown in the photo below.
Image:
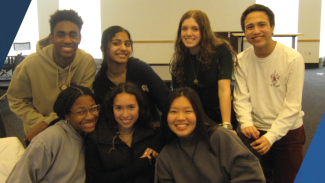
(117, 151)
(118, 67)
(205, 63)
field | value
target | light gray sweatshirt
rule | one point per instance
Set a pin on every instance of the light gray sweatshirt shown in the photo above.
(54, 155)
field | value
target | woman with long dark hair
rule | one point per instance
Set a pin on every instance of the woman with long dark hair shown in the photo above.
(118, 67)
(198, 150)
(117, 150)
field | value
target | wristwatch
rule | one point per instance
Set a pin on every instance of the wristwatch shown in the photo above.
(228, 126)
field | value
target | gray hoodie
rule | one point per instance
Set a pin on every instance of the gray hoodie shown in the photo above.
(36, 83)
(55, 155)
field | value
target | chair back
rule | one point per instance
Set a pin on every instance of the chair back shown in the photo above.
(2, 127)
(19, 58)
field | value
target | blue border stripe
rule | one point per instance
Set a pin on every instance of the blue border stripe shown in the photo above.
(312, 168)
(12, 13)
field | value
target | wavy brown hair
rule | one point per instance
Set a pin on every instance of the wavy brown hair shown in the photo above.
(208, 45)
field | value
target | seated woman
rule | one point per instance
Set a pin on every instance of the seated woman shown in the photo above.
(198, 150)
(117, 150)
(118, 67)
(57, 153)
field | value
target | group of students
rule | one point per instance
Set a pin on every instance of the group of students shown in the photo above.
(116, 134)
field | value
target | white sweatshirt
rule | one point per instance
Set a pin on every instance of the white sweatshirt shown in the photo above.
(268, 93)
(36, 83)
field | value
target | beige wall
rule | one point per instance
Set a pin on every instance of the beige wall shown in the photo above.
(158, 20)
(45, 8)
(309, 24)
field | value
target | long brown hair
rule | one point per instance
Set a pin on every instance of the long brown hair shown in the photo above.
(208, 44)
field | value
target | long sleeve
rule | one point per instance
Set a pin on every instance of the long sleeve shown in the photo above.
(291, 108)
(32, 166)
(242, 98)
(20, 99)
(89, 76)
(158, 90)
(95, 169)
(165, 176)
(235, 159)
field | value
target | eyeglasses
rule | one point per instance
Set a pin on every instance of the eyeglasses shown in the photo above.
(94, 110)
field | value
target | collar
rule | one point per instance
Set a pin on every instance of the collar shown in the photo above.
(105, 135)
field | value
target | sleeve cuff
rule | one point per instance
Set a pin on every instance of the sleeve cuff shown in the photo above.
(245, 125)
(270, 137)
(50, 118)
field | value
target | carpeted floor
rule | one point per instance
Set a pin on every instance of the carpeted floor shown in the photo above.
(313, 104)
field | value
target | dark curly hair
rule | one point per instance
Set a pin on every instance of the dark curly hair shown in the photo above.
(257, 7)
(65, 15)
(144, 119)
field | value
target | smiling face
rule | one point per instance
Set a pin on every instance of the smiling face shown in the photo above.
(181, 117)
(65, 38)
(258, 31)
(82, 123)
(190, 34)
(126, 111)
(119, 49)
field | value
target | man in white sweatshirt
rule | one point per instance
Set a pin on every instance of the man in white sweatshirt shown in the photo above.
(41, 76)
(268, 96)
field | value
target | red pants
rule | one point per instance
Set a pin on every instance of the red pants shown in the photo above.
(282, 162)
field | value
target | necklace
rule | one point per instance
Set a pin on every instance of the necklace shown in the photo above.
(128, 134)
(125, 141)
(116, 77)
(63, 86)
(195, 81)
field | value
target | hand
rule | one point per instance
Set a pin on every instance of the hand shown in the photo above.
(36, 130)
(149, 152)
(261, 145)
(234, 131)
(251, 131)
(146, 156)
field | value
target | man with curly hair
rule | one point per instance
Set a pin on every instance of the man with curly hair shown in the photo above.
(39, 79)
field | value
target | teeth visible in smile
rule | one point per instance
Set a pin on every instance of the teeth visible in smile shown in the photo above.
(67, 48)
(88, 124)
(189, 39)
(181, 125)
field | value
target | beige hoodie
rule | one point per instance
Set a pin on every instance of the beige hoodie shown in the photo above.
(36, 83)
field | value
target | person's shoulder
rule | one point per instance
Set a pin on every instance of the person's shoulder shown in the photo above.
(84, 57)
(137, 62)
(138, 66)
(247, 52)
(289, 52)
(52, 134)
(31, 60)
(220, 134)
(169, 147)
(101, 130)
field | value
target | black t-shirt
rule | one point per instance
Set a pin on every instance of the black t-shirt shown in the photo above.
(221, 68)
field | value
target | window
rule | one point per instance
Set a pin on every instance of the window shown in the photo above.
(91, 29)
(286, 17)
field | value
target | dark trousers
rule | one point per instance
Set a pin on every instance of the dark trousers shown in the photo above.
(282, 162)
